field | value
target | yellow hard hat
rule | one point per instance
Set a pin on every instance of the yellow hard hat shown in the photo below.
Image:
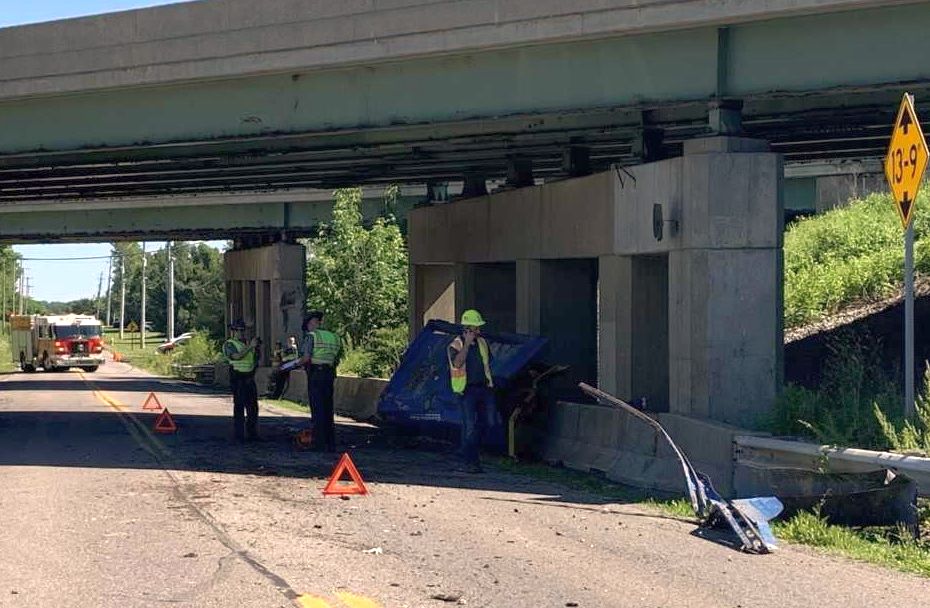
(472, 318)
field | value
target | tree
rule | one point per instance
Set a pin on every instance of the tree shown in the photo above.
(199, 290)
(357, 275)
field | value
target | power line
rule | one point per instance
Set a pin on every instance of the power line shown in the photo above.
(98, 257)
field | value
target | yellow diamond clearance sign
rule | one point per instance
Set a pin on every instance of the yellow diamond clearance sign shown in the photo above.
(906, 160)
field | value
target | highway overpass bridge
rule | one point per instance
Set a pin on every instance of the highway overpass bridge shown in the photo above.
(221, 118)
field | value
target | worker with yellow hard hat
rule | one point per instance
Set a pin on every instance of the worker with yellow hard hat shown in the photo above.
(470, 374)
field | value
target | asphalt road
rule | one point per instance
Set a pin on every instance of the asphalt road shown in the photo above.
(98, 511)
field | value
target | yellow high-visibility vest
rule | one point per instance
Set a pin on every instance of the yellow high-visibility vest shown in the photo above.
(244, 365)
(326, 347)
(459, 374)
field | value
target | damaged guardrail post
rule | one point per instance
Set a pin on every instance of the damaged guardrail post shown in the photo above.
(748, 518)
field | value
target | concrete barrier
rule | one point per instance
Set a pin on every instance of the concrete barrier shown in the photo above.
(597, 438)
(354, 397)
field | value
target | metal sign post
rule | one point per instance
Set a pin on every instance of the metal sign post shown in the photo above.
(905, 164)
(909, 407)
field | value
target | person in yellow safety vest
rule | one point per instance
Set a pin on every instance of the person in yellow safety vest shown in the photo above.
(291, 351)
(278, 380)
(320, 356)
(470, 373)
(243, 359)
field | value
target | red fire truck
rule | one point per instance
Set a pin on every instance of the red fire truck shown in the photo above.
(57, 342)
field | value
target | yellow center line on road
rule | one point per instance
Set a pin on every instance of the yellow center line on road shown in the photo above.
(150, 443)
(311, 601)
(356, 601)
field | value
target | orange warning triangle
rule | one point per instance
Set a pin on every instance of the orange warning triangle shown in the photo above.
(152, 403)
(335, 488)
(165, 423)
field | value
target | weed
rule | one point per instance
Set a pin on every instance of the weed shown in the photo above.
(847, 255)
(842, 410)
(894, 550)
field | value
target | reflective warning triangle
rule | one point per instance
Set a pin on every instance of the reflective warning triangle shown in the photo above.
(335, 488)
(165, 423)
(152, 403)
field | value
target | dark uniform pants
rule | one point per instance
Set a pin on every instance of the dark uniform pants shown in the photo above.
(320, 381)
(245, 404)
(477, 416)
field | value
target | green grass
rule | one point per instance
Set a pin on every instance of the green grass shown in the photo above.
(875, 546)
(6, 363)
(132, 352)
(850, 254)
(286, 404)
(866, 546)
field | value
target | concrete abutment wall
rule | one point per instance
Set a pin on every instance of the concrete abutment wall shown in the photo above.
(691, 320)
(265, 287)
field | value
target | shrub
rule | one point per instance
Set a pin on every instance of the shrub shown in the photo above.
(842, 410)
(198, 350)
(907, 435)
(379, 356)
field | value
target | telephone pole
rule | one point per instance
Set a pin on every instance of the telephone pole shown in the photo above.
(3, 297)
(109, 284)
(170, 291)
(97, 299)
(122, 296)
(142, 325)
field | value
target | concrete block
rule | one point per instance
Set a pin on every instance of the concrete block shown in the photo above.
(357, 398)
(734, 200)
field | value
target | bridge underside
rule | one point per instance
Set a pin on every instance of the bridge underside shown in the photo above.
(816, 87)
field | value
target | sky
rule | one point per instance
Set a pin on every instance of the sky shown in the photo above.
(58, 280)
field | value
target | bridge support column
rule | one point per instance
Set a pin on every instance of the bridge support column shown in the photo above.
(431, 294)
(725, 283)
(265, 287)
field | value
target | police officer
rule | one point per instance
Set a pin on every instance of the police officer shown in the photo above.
(470, 371)
(243, 359)
(320, 356)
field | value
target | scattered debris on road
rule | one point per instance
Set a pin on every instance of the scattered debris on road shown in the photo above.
(452, 598)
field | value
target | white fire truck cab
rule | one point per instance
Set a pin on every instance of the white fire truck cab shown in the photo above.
(57, 342)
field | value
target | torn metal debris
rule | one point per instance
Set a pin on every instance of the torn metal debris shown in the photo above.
(748, 517)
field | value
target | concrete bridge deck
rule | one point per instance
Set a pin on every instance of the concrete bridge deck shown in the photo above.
(230, 96)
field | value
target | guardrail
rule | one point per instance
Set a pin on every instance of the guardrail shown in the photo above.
(204, 374)
(762, 452)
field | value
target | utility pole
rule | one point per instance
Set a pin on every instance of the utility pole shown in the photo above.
(26, 301)
(170, 291)
(142, 325)
(3, 297)
(22, 288)
(122, 296)
(97, 299)
(109, 284)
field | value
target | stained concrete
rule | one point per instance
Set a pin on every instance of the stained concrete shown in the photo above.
(691, 321)
(228, 38)
(265, 287)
